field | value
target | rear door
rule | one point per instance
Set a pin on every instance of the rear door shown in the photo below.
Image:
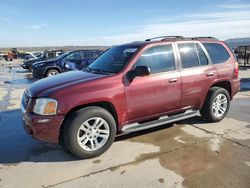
(72, 61)
(159, 92)
(221, 60)
(197, 73)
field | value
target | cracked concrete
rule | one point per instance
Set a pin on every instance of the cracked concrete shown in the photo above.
(191, 153)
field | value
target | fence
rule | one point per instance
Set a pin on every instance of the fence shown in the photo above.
(243, 55)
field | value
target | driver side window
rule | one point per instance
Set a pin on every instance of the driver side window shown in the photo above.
(74, 56)
(158, 59)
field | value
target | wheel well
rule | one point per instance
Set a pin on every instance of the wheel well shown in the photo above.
(226, 85)
(104, 104)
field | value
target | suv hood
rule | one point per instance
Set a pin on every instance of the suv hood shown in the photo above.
(31, 61)
(44, 87)
(44, 62)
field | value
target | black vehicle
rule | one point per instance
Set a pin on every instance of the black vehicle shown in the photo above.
(73, 60)
(46, 55)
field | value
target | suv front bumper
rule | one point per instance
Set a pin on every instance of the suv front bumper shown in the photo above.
(44, 128)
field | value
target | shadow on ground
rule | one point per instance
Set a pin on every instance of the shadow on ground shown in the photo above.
(244, 68)
(28, 79)
(16, 146)
(245, 84)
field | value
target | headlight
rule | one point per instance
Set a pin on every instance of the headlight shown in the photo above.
(45, 106)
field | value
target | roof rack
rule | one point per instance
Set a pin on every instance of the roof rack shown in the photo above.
(195, 38)
(163, 37)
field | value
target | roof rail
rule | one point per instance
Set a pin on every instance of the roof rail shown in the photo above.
(195, 38)
(163, 37)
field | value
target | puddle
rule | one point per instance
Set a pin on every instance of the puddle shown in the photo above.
(215, 144)
(23, 81)
(22, 71)
(202, 157)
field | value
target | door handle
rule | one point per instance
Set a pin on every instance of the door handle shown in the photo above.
(172, 80)
(210, 74)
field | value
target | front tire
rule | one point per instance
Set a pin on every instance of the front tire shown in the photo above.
(216, 105)
(51, 72)
(89, 132)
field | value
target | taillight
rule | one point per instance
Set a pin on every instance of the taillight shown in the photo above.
(236, 71)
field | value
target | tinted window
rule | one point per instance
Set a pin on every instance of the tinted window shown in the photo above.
(217, 52)
(202, 57)
(74, 56)
(88, 55)
(158, 59)
(114, 59)
(188, 55)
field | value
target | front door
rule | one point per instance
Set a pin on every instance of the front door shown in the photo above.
(73, 61)
(157, 93)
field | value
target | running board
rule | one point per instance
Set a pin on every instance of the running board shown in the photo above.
(161, 121)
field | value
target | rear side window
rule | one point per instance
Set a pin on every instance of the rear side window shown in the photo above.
(189, 57)
(217, 52)
(88, 55)
(158, 59)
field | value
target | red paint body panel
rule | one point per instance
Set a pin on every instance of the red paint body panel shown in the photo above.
(195, 85)
(43, 131)
(144, 98)
(155, 98)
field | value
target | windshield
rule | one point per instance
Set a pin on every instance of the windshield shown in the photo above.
(38, 54)
(113, 60)
(62, 56)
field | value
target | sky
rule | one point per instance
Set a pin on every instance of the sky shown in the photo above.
(29, 23)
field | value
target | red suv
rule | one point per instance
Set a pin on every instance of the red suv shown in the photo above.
(132, 87)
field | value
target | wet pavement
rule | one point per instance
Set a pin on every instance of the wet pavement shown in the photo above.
(190, 153)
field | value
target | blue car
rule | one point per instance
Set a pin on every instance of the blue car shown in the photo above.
(74, 60)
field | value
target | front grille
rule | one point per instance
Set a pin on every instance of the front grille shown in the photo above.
(25, 100)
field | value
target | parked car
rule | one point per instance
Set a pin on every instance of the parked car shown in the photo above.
(2, 55)
(129, 88)
(29, 55)
(48, 54)
(74, 60)
(9, 56)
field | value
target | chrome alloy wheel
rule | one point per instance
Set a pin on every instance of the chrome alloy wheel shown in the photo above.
(219, 105)
(93, 134)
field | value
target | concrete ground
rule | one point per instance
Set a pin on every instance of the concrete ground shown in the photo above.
(191, 153)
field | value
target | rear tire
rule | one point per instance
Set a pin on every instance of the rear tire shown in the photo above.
(216, 105)
(84, 138)
(51, 72)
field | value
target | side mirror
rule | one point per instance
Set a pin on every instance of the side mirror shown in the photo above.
(138, 71)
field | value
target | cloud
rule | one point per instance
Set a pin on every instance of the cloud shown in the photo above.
(39, 26)
(223, 25)
(235, 6)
